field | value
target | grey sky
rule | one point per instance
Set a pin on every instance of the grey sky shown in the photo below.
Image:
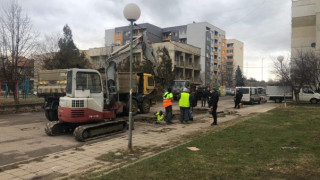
(263, 25)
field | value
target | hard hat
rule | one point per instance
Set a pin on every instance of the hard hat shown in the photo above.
(185, 90)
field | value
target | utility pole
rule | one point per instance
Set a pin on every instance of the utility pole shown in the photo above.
(262, 70)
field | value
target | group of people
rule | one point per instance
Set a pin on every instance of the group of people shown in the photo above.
(187, 101)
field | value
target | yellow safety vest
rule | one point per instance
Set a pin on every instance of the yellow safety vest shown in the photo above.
(184, 100)
(159, 117)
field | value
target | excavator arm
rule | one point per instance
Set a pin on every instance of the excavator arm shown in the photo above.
(123, 53)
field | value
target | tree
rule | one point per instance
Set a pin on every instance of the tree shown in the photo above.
(165, 71)
(302, 70)
(305, 68)
(239, 79)
(17, 41)
(68, 55)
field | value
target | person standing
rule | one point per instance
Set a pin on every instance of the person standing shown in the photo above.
(193, 103)
(238, 98)
(213, 104)
(184, 104)
(204, 97)
(167, 104)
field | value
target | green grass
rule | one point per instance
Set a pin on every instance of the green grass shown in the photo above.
(279, 144)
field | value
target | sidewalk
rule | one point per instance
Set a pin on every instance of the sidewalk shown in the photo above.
(74, 161)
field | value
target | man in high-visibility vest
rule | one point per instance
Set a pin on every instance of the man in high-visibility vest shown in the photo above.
(160, 116)
(184, 104)
(167, 104)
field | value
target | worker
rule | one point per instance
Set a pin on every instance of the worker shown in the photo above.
(184, 104)
(167, 104)
(213, 103)
(237, 99)
(160, 116)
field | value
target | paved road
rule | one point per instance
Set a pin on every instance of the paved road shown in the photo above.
(23, 137)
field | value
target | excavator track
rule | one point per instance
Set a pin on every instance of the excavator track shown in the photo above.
(98, 130)
(55, 128)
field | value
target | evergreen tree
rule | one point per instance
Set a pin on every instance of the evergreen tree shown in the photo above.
(165, 67)
(68, 55)
(239, 79)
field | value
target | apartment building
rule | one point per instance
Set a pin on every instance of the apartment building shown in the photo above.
(121, 35)
(209, 38)
(97, 56)
(185, 60)
(305, 25)
(234, 58)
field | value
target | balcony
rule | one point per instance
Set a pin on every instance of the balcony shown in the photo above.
(215, 61)
(179, 64)
(216, 37)
(215, 53)
(216, 45)
(197, 80)
(215, 69)
(197, 66)
(215, 77)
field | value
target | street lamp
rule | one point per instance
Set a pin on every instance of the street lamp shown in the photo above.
(132, 13)
(280, 59)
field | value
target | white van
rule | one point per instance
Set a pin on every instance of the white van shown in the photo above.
(250, 95)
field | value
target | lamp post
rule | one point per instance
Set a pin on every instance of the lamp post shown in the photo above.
(132, 13)
(280, 59)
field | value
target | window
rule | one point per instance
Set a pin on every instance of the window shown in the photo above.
(230, 45)
(88, 80)
(69, 82)
(118, 33)
(244, 90)
(150, 81)
(307, 91)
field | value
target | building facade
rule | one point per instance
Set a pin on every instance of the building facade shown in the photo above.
(234, 58)
(185, 60)
(305, 25)
(210, 39)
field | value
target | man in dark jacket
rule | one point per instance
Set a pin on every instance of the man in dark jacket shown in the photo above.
(213, 103)
(238, 98)
(204, 97)
(193, 103)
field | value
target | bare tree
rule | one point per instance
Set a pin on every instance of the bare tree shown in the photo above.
(47, 48)
(17, 40)
(302, 70)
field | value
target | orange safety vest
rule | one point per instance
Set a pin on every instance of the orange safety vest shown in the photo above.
(167, 99)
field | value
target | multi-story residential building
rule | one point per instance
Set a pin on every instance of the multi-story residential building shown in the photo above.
(234, 58)
(121, 35)
(305, 25)
(185, 60)
(209, 38)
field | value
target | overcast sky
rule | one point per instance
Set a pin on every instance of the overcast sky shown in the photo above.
(263, 25)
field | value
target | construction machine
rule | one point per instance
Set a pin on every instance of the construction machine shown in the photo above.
(89, 109)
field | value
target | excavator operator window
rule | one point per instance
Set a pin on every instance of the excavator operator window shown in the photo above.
(69, 82)
(150, 81)
(88, 80)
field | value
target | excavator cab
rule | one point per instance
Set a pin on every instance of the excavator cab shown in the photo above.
(84, 97)
(149, 83)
